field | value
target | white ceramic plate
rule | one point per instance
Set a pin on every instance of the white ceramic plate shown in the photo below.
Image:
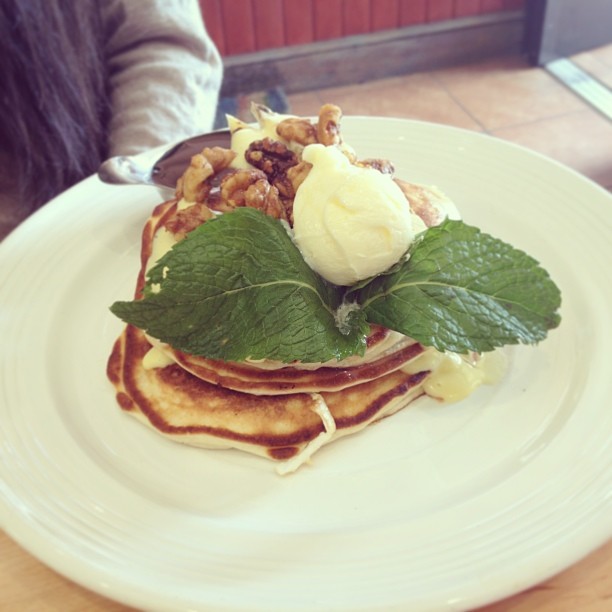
(437, 507)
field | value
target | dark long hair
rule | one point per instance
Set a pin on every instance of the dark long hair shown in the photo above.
(53, 98)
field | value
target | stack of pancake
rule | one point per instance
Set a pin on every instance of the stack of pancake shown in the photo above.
(283, 412)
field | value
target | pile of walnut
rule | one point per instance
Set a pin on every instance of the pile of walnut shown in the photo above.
(270, 185)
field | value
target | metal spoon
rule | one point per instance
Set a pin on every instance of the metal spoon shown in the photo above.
(147, 169)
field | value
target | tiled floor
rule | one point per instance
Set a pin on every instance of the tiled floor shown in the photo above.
(504, 97)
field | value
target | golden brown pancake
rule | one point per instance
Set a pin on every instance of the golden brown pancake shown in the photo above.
(189, 410)
(260, 381)
(282, 412)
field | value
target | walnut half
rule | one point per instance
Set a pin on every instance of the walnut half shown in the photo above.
(205, 164)
(274, 159)
(251, 188)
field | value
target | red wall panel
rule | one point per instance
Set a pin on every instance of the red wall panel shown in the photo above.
(356, 17)
(438, 10)
(412, 12)
(238, 27)
(269, 23)
(466, 8)
(384, 14)
(327, 19)
(491, 6)
(244, 26)
(299, 21)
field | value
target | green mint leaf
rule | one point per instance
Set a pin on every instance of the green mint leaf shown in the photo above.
(462, 290)
(236, 288)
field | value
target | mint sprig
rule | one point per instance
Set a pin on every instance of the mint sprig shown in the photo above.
(238, 287)
(463, 290)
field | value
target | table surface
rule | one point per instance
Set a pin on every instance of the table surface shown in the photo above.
(28, 585)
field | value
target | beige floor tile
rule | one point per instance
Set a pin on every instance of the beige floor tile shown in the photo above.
(506, 92)
(416, 96)
(598, 63)
(603, 54)
(581, 140)
(304, 104)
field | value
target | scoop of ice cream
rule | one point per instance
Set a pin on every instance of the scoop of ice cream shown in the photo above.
(350, 222)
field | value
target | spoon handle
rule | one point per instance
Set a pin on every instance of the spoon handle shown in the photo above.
(163, 171)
